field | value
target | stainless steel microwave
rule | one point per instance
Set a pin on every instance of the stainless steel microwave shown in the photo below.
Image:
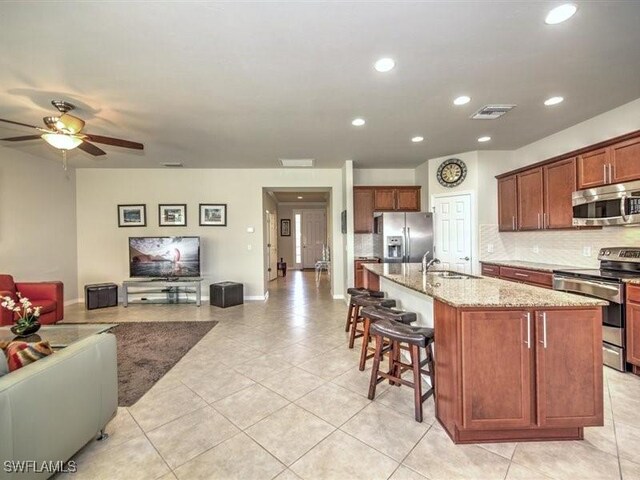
(609, 205)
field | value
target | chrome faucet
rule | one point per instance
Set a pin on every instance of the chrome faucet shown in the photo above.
(426, 264)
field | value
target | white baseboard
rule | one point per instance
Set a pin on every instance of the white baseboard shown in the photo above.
(338, 297)
(257, 297)
(73, 302)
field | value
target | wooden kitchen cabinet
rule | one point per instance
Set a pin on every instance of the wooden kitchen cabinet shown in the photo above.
(516, 374)
(530, 199)
(490, 270)
(496, 341)
(359, 271)
(593, 168)
(507, 204)
(564, 369)
(528, 276)
(625, 161)
(633, 326)
(367, 200)
(363, 210)
(559, 184)
(396, 199)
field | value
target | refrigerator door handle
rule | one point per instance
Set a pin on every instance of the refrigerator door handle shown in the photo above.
(408, 244)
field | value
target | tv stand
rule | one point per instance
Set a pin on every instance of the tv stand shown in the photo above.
(161, 290)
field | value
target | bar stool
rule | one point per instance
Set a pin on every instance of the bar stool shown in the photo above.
(356, 292)
(416, 337)
(359, 302)
(374, 314)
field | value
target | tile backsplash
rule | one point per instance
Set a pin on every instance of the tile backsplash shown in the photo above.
(366, 244)
(577, 248)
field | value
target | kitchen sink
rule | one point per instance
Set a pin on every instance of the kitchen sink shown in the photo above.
(450, 274)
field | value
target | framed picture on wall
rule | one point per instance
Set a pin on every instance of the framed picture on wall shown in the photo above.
(285, 227)
(172, 215)
(132, 215)
(213, 214)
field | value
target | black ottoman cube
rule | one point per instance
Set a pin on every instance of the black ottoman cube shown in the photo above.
(101, 295)
(226, 294)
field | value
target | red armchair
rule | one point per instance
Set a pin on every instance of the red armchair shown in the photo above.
(47, 295)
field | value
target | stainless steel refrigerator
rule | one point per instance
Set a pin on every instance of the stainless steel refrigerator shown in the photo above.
(403, 237)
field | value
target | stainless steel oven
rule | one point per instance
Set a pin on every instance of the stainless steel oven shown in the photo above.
(609, 205)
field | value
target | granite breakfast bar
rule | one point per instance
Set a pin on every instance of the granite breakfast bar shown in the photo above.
(513, 362)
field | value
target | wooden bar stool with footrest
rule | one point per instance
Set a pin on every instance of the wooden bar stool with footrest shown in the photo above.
(361, 301)
(396, 333)
(374, 314)
(354, 292)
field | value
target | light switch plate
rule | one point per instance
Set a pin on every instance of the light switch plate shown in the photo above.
(586, 251)
(490, 248)
(536, 249)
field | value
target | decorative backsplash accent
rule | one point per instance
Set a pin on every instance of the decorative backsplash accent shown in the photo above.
(563, 247)
(366, 244)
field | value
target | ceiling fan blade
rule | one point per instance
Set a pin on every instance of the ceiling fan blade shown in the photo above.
(19, 123)
(91, 148)
(114, 141)
(20, 139)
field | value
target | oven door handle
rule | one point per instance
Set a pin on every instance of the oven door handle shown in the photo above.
(612, 293)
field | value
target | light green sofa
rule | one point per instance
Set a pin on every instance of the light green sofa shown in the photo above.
(53, 407)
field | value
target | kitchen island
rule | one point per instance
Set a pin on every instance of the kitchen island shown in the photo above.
(513, 362)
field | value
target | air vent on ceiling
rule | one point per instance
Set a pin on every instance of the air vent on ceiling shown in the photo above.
(491, 112)
(172, 165)
(296, 162)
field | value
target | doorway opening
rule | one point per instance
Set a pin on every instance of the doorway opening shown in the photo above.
(454, 238)
(299, 220)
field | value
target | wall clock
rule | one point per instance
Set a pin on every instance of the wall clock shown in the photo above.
(451, 172)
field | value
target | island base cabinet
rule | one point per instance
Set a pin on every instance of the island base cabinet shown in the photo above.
(505, 375)
(569, 368)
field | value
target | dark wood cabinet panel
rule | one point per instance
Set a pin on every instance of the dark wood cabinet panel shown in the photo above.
(363, 210)
(625, 161)
(530, 199)
(490, 270)
(593, 168)
(559, 184)
(496, 380)
(408, 199)
(633, 325)
(384, 199)
(359, 271)
(525, 275)
(507, 204)
(569, 374)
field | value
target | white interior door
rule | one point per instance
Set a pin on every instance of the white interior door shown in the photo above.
(272, 245)
(314, 236)
(452, 231)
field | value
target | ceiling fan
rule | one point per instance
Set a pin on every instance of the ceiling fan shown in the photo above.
(64, 132)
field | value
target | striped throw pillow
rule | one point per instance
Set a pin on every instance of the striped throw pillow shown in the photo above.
(20, 354)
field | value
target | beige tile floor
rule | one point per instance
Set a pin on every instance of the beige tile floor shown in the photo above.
(273, 392)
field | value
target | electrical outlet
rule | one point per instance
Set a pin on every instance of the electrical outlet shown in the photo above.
(586, 251)
(249, 247)
(536, 249)
(490, 248)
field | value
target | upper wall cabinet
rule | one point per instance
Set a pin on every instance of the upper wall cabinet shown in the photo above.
(617, 163)
(399, 199)
(507, 204)
(530, 199)
(367, 200)
(559, 185)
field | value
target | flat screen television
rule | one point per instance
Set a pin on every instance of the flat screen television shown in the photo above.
(164, 257)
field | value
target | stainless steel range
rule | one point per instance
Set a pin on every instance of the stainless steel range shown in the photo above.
(617, 265)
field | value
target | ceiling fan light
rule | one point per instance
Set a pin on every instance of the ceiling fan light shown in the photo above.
(69, 124)
(61, 141)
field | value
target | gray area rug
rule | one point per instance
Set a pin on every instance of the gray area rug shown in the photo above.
(148, 350)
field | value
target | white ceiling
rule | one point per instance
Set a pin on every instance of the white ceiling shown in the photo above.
(241, 85)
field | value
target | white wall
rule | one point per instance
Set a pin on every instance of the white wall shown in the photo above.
(384, 176)
(38, 220)
(269, 205)
(422, 179)
(228, 253)
(348, 238)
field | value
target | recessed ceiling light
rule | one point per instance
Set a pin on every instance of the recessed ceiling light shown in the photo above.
(358, 122)
(484, 139)
(462, 100)
(299, 198)
(417, 139)
(384, 65)
(560, 14)
(553, 101)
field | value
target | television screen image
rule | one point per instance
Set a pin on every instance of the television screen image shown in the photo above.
(164, 257)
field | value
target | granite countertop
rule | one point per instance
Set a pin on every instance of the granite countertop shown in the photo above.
(479, 291)
(632, 281)
(542, 267)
